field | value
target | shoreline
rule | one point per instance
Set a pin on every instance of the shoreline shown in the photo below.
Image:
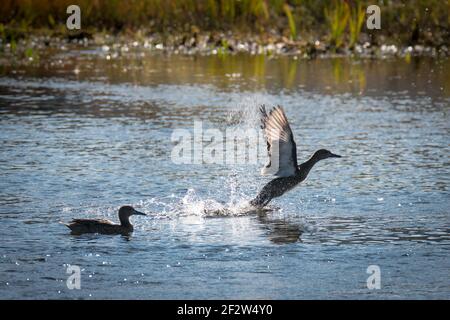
(29, 47)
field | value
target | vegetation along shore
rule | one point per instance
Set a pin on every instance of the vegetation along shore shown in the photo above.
(301, 28)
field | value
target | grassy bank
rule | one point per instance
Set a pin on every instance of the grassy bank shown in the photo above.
(336, 24)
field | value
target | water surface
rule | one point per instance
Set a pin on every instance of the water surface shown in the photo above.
(84, 131)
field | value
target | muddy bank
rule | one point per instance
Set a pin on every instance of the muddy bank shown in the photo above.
(31, 47)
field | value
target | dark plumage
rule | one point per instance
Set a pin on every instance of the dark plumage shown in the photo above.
(283, 157)
(102, 226)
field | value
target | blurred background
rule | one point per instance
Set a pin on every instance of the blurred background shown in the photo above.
(340, 23)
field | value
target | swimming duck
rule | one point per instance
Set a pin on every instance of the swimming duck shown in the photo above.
(102, 226)
(283, 157)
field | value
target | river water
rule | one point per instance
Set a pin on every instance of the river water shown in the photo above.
(86, 130)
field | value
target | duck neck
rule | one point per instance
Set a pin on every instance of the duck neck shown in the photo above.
(125, 221)
(305, 167)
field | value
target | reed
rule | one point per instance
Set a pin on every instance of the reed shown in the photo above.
(292, 28)
(355, 22)
(337, 15)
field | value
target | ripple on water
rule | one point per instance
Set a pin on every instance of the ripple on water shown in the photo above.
(83, 145)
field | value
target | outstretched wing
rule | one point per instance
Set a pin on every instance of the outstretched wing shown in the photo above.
(280, 143)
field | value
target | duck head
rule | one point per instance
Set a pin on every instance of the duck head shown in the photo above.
(324, 154)
(126, 212)
(129, 211)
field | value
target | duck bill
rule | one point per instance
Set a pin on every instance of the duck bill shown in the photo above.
(139, 213)
(335, 156)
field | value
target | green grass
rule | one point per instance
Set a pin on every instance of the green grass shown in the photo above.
(337, 15)
(339, 21)
(355, 22)
(292, 28)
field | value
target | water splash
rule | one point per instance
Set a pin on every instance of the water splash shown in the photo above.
(245, 113)
(193, 204)
(241, 180)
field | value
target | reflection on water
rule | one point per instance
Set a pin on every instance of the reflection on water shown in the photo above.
(82, 135)
(418, 76)
(281, 231)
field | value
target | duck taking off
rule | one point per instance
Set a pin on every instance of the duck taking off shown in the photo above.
(282, 157)
(102, 226)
